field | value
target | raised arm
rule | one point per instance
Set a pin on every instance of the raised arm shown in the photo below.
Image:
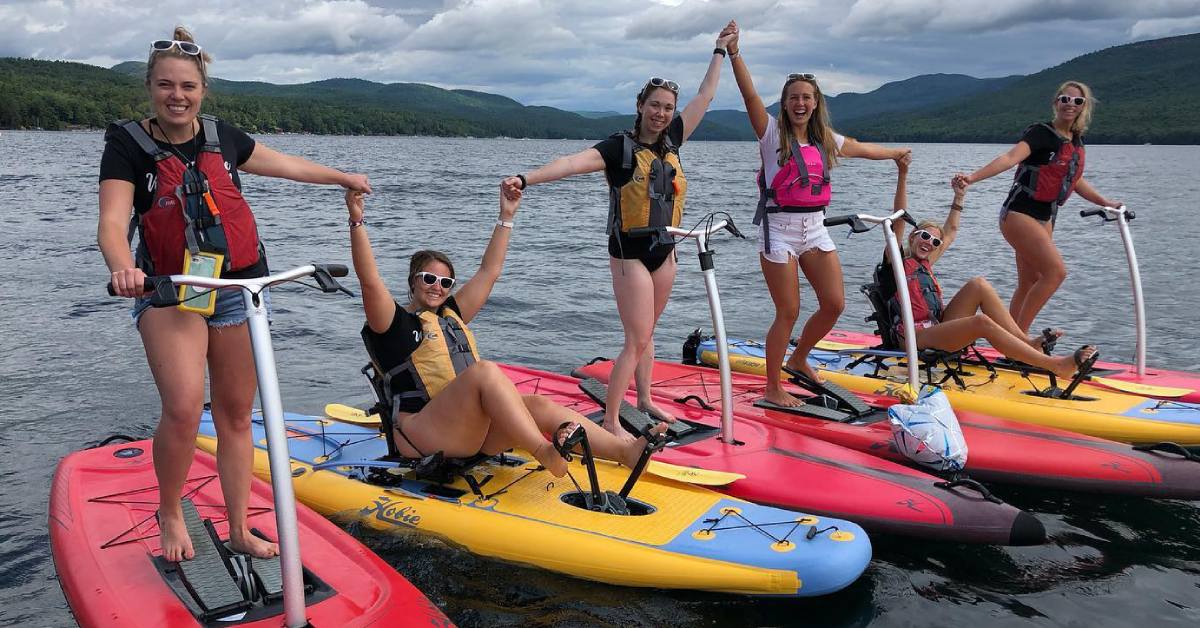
(950, 227)
(900, 201)
(693, 113)
(272, 163)
(378, 303)
(1006, 160)
(755, 110)
(866, 150)
(474, 294)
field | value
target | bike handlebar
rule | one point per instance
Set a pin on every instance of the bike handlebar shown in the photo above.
(1108, 213)
(163, 287)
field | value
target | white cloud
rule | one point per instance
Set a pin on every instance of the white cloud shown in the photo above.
(1164, 27)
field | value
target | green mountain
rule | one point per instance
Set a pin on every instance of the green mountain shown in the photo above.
(1144, 92)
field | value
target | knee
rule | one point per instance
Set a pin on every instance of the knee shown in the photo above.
(638, 341)
(787, 313)
(180, 421)
(833, 305)
(1055, 274)
(981, 283)
(983, 323)
(483, 369)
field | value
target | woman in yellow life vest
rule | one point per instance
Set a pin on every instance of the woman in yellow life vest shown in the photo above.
(647, 188)
(442, 396)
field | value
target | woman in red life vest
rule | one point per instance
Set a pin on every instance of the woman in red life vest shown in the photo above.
(442, 396)
(647, 188)
(798, 150)
(1051, 157)
(975, 311)
(174, 162)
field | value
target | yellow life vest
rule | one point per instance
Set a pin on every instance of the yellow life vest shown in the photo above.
(654, 195)
(447, 348)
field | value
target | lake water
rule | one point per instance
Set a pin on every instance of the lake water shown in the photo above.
(72, 368)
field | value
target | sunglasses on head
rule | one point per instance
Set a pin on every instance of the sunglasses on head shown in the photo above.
(925, 235)
(662, 82)
(429, 279)
(802, 76)
(1076, 100)
(186, 47)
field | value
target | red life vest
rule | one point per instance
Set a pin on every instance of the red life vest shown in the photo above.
(1054, 181)
(924, 293)
(181, 216)
(802, 185)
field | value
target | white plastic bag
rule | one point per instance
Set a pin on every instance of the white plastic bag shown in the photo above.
(928, 432)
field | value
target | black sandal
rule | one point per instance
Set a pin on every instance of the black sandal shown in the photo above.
(1083, 367)
(565, 442)
(1049, 340)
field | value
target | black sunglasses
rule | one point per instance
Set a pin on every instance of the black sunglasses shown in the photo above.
(429, 279)
(1066, 100)
(802, 76)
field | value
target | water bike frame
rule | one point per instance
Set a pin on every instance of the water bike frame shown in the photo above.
(1122, 216)
(164, 292)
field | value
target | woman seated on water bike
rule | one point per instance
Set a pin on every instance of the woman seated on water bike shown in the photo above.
(443, 397)
(975, 311)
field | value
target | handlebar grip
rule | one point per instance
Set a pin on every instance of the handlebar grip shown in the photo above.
(337, 270)
(1130, 214)
(1091, 211)
(148, 286)
(909, 219)
(839, 220)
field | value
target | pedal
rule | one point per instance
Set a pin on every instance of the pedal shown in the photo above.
(808, 409)
(206, 575)
(634, 420)
(270, 577)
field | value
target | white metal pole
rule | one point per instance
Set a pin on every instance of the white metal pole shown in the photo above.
(718, 319)
(910, 333)
(280, 459)
(1139, 305)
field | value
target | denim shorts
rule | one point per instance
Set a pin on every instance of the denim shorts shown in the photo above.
(793, 234)
(230, 310)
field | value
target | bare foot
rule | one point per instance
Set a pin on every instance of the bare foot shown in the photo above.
(806, 369)
(247, 543)
(1066, 366)
(1037, 341)
(632, 452)
(781, 397)
(655, 412)
(551, 459)
(172, 534)
(615, 428)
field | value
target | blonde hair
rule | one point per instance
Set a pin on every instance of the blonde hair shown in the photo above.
(201, 60)
(820, 131)
(1079, 126)
(905, 249)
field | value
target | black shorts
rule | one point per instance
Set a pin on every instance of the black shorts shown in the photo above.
(642, 248)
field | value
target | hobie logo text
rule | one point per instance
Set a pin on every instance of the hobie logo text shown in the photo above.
(387, 511)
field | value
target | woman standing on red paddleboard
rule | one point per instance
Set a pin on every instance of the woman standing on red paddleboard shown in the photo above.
(1051, 158)
(798, 150)
(647, 188)
(177, 170)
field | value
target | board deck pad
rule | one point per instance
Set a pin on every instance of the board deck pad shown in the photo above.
(206, 574)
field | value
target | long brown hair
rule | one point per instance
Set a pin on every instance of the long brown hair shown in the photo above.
(820, 131)
(1080, 124)
(201, 60)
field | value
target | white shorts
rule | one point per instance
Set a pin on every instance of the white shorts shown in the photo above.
(794, 234)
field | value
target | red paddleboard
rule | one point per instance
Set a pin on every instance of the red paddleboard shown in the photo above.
(794, 471)
(998, 450)
(104, 538)
(1159, 383)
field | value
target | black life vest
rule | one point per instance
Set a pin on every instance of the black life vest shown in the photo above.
(655, 193)
(196, 207)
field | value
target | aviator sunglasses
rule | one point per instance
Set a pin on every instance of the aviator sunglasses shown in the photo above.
(802, 76)
(662, 82)
(429, 279)
(925, 235)
(1066, 100)
(186, 47)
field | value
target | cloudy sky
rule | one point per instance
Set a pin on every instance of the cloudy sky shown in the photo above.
(593, 54)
